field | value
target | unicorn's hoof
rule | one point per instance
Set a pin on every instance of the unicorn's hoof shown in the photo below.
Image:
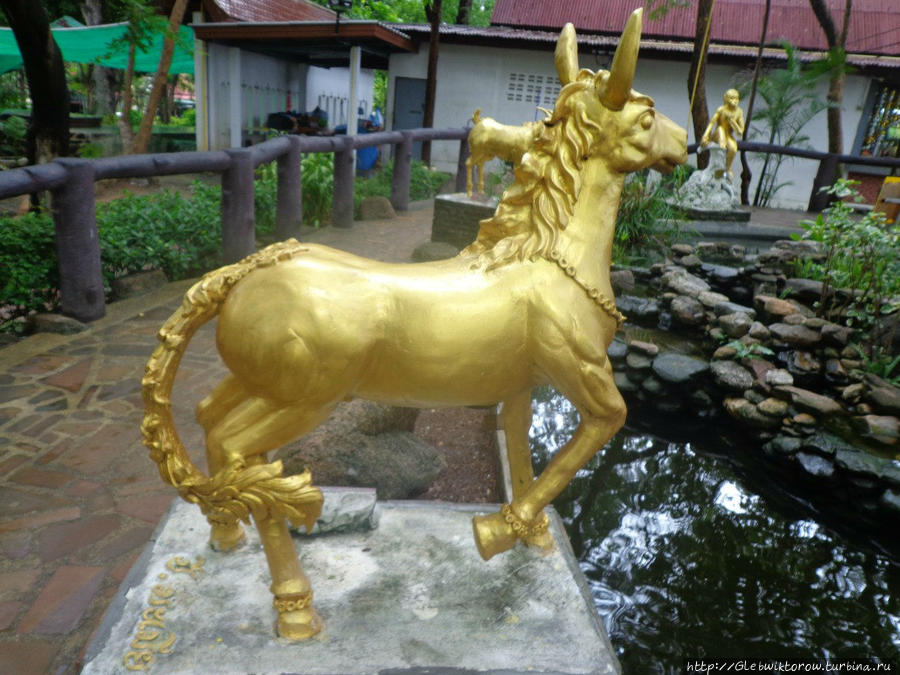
(493, 535)
(538, 533)
(300, 624)
(226, 537)
(543, 542)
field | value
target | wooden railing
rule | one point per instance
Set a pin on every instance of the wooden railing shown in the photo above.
(828, 164)
(71, 184)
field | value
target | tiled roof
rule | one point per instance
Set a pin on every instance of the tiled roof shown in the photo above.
(266, 10)
(874, 24)
(505, 36)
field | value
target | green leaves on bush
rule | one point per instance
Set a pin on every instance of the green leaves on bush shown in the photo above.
(646, 226)
(28, 274)
(860, 272)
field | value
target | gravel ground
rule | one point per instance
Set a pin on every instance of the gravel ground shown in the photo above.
(467, 439)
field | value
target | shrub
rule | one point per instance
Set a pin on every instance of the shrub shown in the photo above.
(28, 273)
(646, 223)
(860, 272)
(317, 179)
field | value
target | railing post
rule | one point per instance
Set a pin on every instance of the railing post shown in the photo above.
(461, 164)
(342, 200)
(824, 177)
(78, 243)
(289, 207)
(400, 181)
(238, 224)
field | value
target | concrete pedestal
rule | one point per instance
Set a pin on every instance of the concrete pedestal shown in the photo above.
(411, 595)
(457, 217)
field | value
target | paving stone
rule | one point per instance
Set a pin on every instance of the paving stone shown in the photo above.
(62, 603)
(148, 508)
(14, 584)
(18, 391)
(96, 453)
(63, 539)
(27, 657)
(72, 378)
(133, 539)
(81, 488)
(16, 502)
(41, 478)
(15, 544)
(10, 463)
(9, 610)
(40, 365)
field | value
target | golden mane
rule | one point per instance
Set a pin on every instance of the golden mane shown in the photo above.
(547, 183)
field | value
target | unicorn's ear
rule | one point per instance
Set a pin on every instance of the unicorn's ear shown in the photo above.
(566, 55)
(621, 73)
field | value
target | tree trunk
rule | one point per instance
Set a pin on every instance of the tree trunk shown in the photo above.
(433, 12)
(142, 141)
(463, 12)
(746, 174)
(48, 132)
(125, 129)
(697, 76)
(104, 78)
(836, 41)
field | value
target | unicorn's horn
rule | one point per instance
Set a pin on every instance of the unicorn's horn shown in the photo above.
(621, 73)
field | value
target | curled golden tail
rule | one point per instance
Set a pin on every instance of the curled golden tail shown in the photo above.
(236, 492)
(476, 116)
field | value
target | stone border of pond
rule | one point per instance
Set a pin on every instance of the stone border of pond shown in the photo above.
(790, 380)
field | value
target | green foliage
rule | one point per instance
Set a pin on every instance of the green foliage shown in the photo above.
(883, 365)
(265, 198)
(860, 272)
(317, 180)
(12, 90)
(424, 183)
(90, 150)
(13, 131)
(791, 100)
(165, 231)
(379, 94)
(646, 224)
(28, 275)
(745, 351)
(413, 11)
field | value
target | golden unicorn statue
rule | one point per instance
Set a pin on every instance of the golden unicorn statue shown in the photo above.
(302, 327)
(488, 139)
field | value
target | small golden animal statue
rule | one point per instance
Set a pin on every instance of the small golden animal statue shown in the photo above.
(727, 124)
(302, 327)
(488, 139)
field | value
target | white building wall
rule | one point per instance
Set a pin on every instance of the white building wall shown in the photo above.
(270, 85)
(328, 88)
(479, 77)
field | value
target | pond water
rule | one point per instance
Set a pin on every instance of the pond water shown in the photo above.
(690, 552)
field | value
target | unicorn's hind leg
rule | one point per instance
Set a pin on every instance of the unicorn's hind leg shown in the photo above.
(210, 411)
(242, 437)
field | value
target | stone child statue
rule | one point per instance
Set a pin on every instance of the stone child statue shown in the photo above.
(725, 126)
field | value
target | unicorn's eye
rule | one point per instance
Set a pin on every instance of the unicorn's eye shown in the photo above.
(647, 120)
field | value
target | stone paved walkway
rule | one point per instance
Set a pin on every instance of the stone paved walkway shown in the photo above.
(79, 497)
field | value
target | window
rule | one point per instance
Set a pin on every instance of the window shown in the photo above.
(540, 90)
(882, 135)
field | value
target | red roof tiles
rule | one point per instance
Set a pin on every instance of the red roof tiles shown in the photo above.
(266, 10)
(874, 24)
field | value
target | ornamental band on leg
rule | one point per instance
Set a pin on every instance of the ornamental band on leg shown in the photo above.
(529, 302)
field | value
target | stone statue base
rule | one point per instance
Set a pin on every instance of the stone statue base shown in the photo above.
(456, 217)
(709, 193)
(411, 594)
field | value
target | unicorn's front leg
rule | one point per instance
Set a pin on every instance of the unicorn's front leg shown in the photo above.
(602, 415)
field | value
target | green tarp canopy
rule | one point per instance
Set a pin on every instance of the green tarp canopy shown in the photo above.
(90, 44)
